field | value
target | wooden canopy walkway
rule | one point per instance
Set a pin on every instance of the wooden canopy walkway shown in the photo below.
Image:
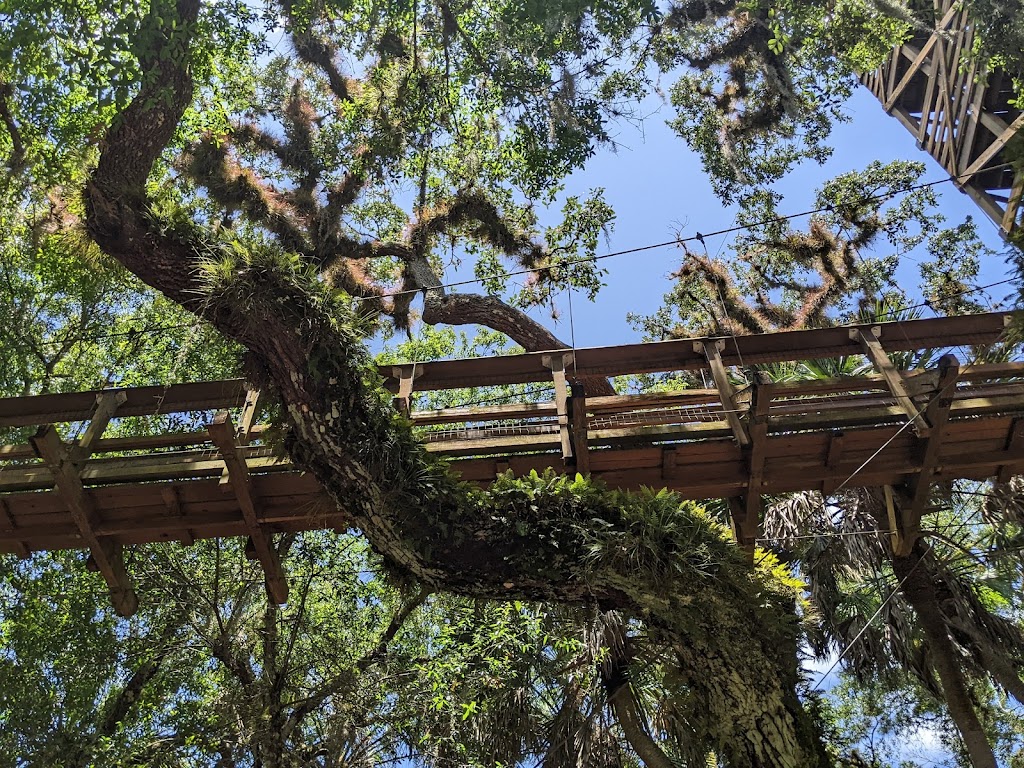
(961, 115)
(201, 475)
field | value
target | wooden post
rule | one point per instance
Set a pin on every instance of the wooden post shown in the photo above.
(835, 456)
(557, 363)
(406, 375)
(244, 429)
(173, 503)
(712, 350)
(908, 517)
(746, 538)
(868, 338)
(578, 420)
(248, 416)
(105, 553)
(223, 434)
(1014, 449)
(9, 529)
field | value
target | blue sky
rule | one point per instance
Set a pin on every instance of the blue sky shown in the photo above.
(657, 187)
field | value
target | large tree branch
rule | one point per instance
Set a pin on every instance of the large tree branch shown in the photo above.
(492, 312)
(622, 698)
(377, 654)
(534, 543)
(115, 196)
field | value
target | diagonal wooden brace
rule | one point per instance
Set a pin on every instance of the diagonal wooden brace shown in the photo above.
(107, 404)
(223, 434)
(868, 338)
(907, 518)
(712, 350)
(244, 429)
(106, 554)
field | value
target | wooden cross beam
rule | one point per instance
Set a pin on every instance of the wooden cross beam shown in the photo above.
(557, 363)
(906, 520)
(712, 350)
(223, 434)
(106, 554)
(868, 338)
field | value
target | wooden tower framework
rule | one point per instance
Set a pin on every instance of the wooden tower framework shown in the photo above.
(958, 112)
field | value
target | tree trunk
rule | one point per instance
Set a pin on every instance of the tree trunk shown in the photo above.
(920, 592)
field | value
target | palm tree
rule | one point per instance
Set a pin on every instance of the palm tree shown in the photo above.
(935, 612)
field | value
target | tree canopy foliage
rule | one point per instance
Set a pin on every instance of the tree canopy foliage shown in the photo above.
(195, 189)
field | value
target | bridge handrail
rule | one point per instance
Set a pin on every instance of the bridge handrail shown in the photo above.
(650, 357)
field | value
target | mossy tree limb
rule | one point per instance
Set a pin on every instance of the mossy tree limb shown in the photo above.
(732, 630)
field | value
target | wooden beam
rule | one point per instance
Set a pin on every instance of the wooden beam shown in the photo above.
(9, 530)
(106, 554)
(712, 351)
(556, 363)
(832, 461)
(1009, 223)
(406, 376)
(745, 538)
(908, 517)
(243, 431)
(747, 528)
(170, 496)
(223, 434)
(142, 401)
(868, 338)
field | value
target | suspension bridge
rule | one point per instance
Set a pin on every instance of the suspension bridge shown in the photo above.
(105, 470)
